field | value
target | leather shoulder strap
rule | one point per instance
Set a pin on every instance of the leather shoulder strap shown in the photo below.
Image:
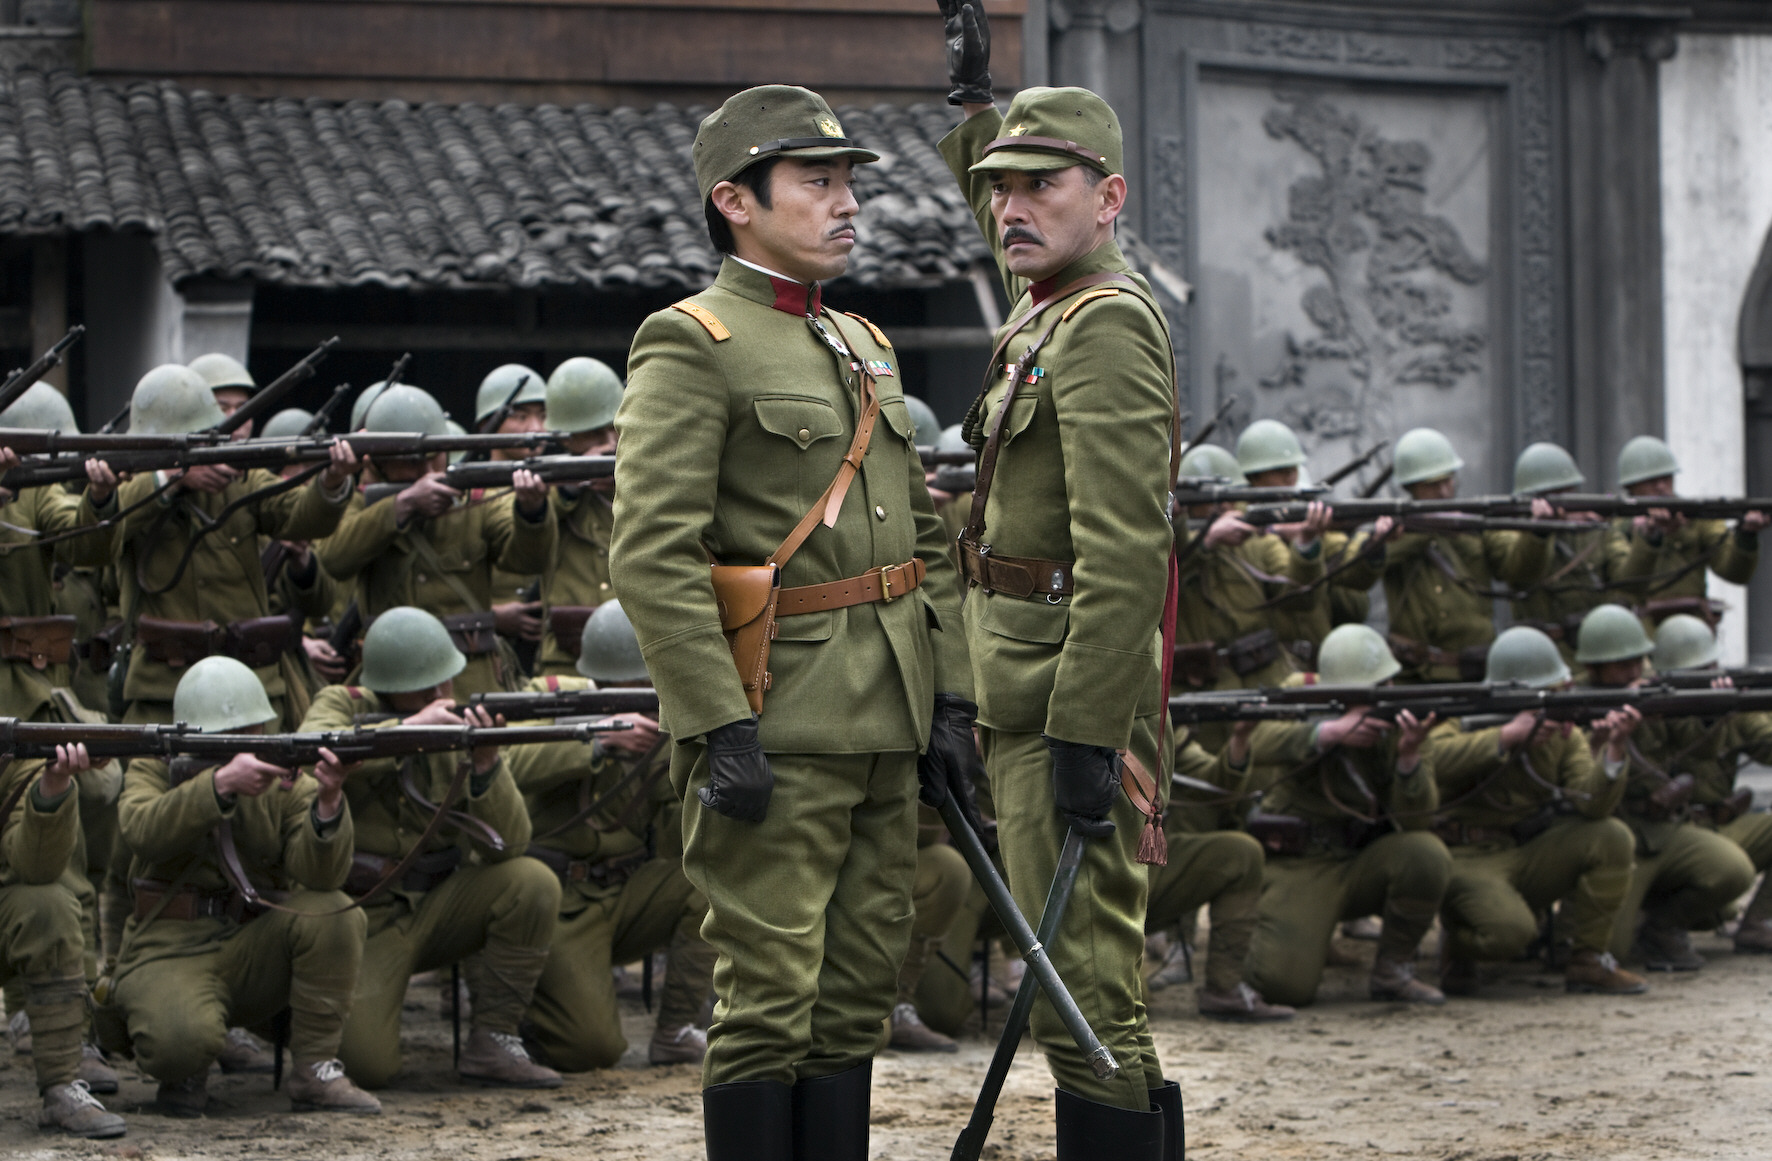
(705, 317)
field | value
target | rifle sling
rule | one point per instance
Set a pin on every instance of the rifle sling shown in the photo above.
(647, 771)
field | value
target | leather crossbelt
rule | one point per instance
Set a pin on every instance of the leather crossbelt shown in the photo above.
(1024, 577)
(887, 584)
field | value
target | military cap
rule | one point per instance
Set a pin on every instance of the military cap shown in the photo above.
(1056, 129)
(764, 122)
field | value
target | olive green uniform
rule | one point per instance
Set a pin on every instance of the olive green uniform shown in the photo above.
(1526, 829)
(224, 582)
(1211, 863)
(501, 904)
(939, 895)
(1303, 620)
(1369, 851)
(579, 574)
(1664, 574)
(1437, 587)
(182, 982)
(26, 585)
(726, 442)
(623, 894)
(1081, 476)
(1575, 584)
(444, 566)
(41, 941)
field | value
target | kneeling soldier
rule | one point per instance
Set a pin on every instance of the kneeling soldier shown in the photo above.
(1686, 875)
(1512, 795)
(441, 909)
(196, 958)
(1346, 834)
(611, 828)
(42, 944)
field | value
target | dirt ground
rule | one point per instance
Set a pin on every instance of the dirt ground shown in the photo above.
(1521, 1073)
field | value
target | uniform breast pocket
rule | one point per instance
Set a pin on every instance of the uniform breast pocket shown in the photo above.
(897, 418)
(1021, 414)
(803, 419)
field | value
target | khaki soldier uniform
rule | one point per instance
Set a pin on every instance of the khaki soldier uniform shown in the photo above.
(304, 595)
(1302, 621)
(1091, 435)
(1663, 574)
(623, 894)
(577, 580)
(36, 644)
(89, 595)
(1437, 586)
(445, 907)
(444, 566)
(222, 586)
(1575, 584)
(1350, 838)
(195, 960)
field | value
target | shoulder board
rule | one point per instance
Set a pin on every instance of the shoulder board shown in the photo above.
(705, 317)
(553, 683)
(355, 691)
(1088, 297)
(879, 335)
(477, 495)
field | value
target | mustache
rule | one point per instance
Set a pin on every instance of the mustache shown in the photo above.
(846, 230)
(1021, 234)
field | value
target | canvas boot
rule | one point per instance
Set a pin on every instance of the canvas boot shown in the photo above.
(185, 1099)
(242, 1053)
(499, 1059)
(75, 1111)
(1597, 972)
(1665, 946)
(1406, 924)
(96, 1071)
(1242, 1004)
(321, 1086)
(910, 1034)
(1394, 979)
(685, 1045)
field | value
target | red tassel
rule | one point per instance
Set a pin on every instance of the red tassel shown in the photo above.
(1153, 844)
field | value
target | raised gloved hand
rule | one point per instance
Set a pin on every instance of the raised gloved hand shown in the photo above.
(1085, 781)
(969, 51)
(945, 769)
(739, 780)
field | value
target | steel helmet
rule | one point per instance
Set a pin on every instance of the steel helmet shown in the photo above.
(1611, 633)
(496, 388)
(41, 408)
(608, 649)
(1545, 467)
(923, 418)
(1268, 445)
(454, 428)
(287, 424)
(407, 649)
(1525, 655)
(403, 408)
(1684, 642)
(1355, 655)
(1424, 454)
(172, 400)
(1645, 458)
(219, 371)
(219, 694)
(360, 405)
(952, 440)
(1211, 460)
(582, 395)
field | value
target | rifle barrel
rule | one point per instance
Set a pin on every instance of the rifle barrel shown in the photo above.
(25, 378)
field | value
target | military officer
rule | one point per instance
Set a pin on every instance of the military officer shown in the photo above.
(1069, 557)
(743, 403)
(178, 588)
(1527, 813)
(432, 547)
(1346, 829)
(41, 940)
(1662, 559)
(444, 907)
(610, 826)
(197, 958)
(583, 394)
(1686, 875)
(1577, 580)
(1439, 586)
(1712, 752)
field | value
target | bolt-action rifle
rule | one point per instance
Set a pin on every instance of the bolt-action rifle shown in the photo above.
(23, 380)
(471, 474)
(1476, 704)
(272, 393)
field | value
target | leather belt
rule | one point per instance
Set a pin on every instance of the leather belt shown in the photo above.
(1022, 577)
(1459, 834)
(192, 903)
(611, 872)
(886, 583)
(427, 872)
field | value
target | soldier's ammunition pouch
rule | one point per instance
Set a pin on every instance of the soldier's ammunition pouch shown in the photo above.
(1471, 662)
(473, 633)
(1725, 812)
(1279, 834)
(256, 643)
(567, 623)
(177, 643)
(1661, 608)
(1196, 664)
(1665, 801)
(42, 641)
(612, 872)
(427, 872)
(260, 641)
(1252, 651)
(1026, 578)
(1303, 651)
(101, 650)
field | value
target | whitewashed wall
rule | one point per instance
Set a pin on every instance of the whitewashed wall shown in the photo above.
(1716, 192)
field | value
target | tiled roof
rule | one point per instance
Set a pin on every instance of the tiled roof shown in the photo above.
(325, 193)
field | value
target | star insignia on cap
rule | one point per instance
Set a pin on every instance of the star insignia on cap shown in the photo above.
(1018, 131)
(829, 127)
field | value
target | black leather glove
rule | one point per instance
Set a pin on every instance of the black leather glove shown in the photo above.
(1085, 780)
(969, 52)
(739, 780)
(946, 767)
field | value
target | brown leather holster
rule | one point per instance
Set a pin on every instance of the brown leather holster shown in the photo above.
(473, 633)
(101, 650)
(43, 641)
(426, 873)
(567, 623)
(260, 641)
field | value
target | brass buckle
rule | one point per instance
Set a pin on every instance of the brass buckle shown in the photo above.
(886, 585)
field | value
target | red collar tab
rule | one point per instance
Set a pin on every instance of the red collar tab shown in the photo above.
(796, 297)
(1039, 292)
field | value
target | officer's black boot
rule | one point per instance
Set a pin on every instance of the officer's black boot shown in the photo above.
(1167, 1100)
(749, 1120)
(831, 1115)
(1088, 1131)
